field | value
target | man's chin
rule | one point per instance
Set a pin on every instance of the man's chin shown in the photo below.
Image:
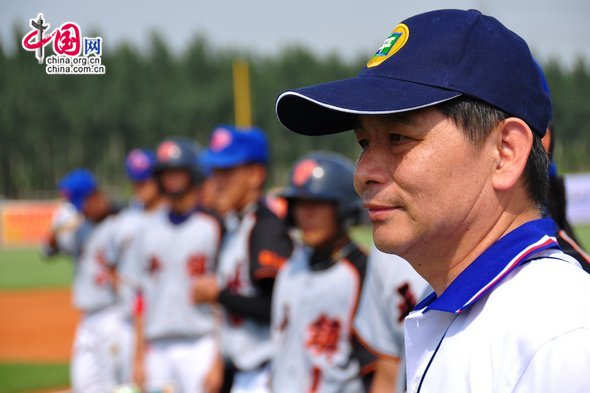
(388, 242)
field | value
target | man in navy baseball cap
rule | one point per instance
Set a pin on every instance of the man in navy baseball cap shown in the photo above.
(449, 113)
(426, 60)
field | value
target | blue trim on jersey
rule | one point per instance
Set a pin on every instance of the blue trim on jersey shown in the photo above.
(493, 265)
(179, 218)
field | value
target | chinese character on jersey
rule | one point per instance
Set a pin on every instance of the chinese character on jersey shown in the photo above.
(323, 336)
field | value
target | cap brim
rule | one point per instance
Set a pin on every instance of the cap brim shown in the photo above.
(223, 161)
(332, 107)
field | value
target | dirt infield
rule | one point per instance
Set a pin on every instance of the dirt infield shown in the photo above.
(36, 325)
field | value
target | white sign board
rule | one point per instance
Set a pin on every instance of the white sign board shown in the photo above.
(577, 188)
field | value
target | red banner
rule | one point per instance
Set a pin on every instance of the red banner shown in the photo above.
(25, 223)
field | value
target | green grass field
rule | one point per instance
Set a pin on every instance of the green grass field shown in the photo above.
(26, 269)
(21, 378)
(22, 269)
(583, 233)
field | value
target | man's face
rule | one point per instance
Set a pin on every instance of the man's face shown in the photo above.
(317, 221)
(233, 187)
(95, 206)
(422, 182)
(146, 191)
(176, 181)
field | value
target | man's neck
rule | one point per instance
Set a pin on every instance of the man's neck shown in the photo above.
(455, 253)
(184, 203)
(329, 252)
(252, 197)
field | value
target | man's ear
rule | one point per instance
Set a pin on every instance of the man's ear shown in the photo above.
(514, 140)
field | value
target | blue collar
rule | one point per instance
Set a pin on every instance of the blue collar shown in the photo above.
(179, 218)
(492, 266)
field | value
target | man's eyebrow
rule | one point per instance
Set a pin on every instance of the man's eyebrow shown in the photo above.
(398, 118)
(403, 118)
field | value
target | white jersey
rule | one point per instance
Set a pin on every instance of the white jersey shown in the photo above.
(312, 315)
(64, 223)
(131, 223)
(516, 320)
(253, 250)
(392, 289)
(171, 255)
(93, 288)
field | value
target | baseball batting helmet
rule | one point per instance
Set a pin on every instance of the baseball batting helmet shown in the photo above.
(327, 177)
(176, 153)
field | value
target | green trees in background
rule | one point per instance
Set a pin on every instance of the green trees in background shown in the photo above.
(50, 124)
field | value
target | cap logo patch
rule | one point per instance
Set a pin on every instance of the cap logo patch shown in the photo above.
(303, 171)
(220, 139)
(138, 160)
(168, 151)
(393, 43)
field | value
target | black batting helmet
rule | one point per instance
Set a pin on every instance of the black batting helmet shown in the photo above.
(178, 153)
(325, 176)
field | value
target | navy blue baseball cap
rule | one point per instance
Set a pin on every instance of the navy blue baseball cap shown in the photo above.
(140, 164)
(231, 146)
(427, 59)
(76, 186)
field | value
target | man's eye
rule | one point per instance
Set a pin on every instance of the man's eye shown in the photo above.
(396, 138)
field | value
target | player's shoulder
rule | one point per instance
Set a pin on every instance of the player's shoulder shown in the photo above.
(533, 294)
(552, 272)
(273, 207)
(357, 257)
(268, 215)
(269, 227)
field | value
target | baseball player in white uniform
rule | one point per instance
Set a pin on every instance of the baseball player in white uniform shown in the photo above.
(176, 343)
(317, 291)
(96, 362)
(139, 165)
(62, 235)
(392, 289)
(256, 244)
(449, 114)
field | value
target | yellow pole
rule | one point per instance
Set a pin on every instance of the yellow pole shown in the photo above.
(242, 108)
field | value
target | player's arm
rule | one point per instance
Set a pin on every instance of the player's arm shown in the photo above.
(255, 307)
(270, 247)
(49, 246)
(385, 375)
(366, 359)
(139, 356)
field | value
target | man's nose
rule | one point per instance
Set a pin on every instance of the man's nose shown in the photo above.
(370, 169)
